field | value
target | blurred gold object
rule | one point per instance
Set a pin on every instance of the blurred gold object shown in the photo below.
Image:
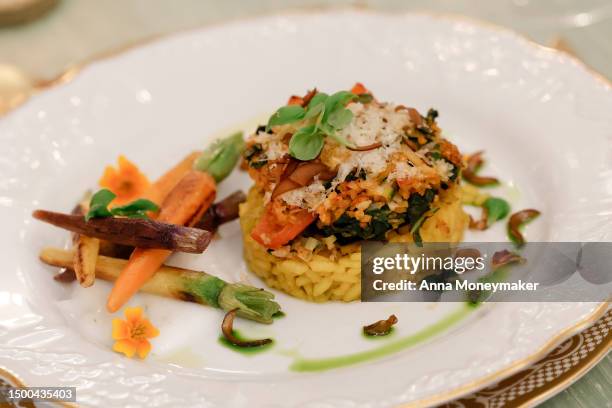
(15, 87)
(562, 45)
(14, 12)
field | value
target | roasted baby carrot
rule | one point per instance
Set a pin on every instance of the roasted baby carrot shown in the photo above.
(184, 205)
(162, 187)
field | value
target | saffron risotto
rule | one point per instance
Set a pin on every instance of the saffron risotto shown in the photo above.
(323, 278)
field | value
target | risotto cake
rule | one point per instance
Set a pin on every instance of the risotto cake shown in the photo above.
(331, 171)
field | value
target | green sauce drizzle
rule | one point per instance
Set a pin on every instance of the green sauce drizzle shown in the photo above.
(321, 364)
(244, 350)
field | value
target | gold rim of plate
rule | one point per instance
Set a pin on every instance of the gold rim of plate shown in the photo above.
(558, 370)
(73, 70)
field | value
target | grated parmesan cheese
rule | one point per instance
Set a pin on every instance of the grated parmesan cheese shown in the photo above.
(403, 170)
(375, 123)
(443, 168)
(343, 171)
(276, 150)
(272, 145)
(371, 123)
(310, 196)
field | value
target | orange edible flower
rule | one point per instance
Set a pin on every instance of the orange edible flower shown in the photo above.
(126, 181)
(133, 333)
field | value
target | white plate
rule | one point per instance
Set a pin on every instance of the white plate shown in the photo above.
(543, 119)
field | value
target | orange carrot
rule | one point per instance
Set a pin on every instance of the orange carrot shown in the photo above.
(184, 205)
(162, 187)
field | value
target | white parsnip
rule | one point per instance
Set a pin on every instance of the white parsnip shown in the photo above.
(85, 256)
(182, 284)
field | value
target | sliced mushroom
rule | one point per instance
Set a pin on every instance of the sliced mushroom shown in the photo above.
(298, 175)
(365, 148)
(227, 328)
(505, 257)
(472, 253)
(516, 221)
(306, 172)
(65, 276)
(283, 186)
(474, 162)
(307, 98)
(481, 224)
(381, 327)
(284, 183)
(415, 116)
